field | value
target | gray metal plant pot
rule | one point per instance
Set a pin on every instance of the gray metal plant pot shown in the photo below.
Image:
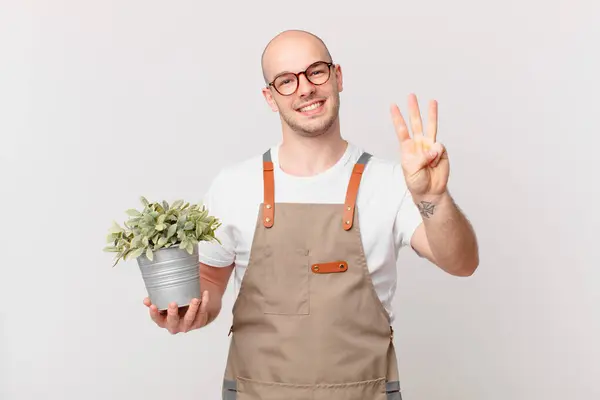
(172, 276)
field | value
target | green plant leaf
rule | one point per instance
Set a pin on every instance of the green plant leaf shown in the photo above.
(115, 228)
(132, 212)
(149, 254)
(172, 230)
(159, 225)
(135, 220)
(137, 241)
(136, 253)
(200, 227)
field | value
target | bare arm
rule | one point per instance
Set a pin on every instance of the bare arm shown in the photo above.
(214, 280)
(446, 237)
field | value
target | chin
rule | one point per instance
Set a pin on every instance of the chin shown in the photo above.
(310, 134)
(313, 125)
(316, 128)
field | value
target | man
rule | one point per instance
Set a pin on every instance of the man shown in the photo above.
(312, 229)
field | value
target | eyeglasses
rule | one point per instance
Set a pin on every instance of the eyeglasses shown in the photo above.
(317, 73)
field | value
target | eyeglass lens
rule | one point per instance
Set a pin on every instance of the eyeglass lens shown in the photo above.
(317, 74)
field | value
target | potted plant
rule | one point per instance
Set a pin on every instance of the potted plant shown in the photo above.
(164, 240)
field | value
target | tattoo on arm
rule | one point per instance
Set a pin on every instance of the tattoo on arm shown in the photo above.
(426, 208)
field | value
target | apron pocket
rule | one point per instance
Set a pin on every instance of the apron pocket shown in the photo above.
(248, 389)
(364, 390)
(286, 281)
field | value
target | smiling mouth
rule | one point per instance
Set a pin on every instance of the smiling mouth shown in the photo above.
(311, 107)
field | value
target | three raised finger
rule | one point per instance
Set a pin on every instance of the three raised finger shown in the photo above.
(416, 122)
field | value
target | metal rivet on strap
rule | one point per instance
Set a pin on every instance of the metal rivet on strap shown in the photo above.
(316, 268)
(347, 222)
(349, 208)
(268, 206)
(341, 266)
(268, 219)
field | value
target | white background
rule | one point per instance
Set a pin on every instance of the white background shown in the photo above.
(104, 101)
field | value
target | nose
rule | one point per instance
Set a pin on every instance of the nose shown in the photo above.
(304, 86)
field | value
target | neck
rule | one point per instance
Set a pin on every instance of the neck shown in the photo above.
(308, 156)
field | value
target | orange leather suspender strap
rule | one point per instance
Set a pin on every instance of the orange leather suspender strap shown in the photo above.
(352, 191)
(269, 190)
(351, 194)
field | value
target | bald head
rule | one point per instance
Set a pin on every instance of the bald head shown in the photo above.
(290, 50)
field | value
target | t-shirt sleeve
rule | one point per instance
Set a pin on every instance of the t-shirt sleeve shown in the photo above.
(408, 217)
(212, 253)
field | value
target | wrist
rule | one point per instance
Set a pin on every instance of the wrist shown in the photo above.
(435, 199)
(429, 203)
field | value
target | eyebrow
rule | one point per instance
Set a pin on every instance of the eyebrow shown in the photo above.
(282, 73)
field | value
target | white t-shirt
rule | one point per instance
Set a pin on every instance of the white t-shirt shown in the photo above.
(387, 215)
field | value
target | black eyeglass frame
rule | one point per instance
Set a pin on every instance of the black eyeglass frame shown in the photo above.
(297, 74)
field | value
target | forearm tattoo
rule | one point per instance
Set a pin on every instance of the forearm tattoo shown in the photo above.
(426, 208)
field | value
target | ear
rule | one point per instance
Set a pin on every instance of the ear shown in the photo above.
(339, 77)
(269, 97)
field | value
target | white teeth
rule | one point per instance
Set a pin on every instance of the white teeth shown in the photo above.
(311, 107)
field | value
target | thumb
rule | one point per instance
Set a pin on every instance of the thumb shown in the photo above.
(204, 303)
(426, 157)
(440, 151)
(202, 316)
